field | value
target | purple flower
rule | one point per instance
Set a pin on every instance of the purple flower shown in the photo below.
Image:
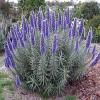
(12, 63)
(64, 24)
(43, 27)
(40, 18)
(32, 37)
(94, 51)
(47, 13)
(89, 38)
(67, 16)
(42, 44)
(54, 44)
(9, 44)
(70, 33)
(7, 50)
(81, 27)
(13, 38)
(60, 18)
(74, 27)
(32, 19)
(17, 81)
(7, 62)
(53, 21)
(24, 26)
(95, 60)
(76, 45)
(47, 28)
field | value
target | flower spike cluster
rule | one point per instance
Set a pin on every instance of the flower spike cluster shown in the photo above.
(42, 30)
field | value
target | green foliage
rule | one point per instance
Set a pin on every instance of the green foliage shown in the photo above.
(1, 97)
(87, 10)
(95, 23)
(3, 75)
(4, 82)
(96, 37)
(28, 5)
(70, 98)
(48, 74)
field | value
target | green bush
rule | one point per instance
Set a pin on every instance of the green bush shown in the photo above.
(96, 37)
(95, 23)
(86, 10)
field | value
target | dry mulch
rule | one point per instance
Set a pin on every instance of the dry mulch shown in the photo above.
(88, 87)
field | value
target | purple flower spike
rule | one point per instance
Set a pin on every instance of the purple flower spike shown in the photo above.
(76, 45)
(53, 21)
(81, 27)
(47, 28)
(32, 19)
(12, 63)
(70, 32)
(42, 44)
(7, 62)
(7, 51)
(74, 27)
(24, 26)
(47, 13)
(67, 16)
(54, 44)
(32, 37)
(43, 27)
(94, 51)
(60, 18)
(95, 60)
(40, 18)
(9, 44)
(17, 81)
(89, 38)
(64, 24)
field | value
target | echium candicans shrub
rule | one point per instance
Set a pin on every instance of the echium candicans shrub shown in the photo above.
(46, 52)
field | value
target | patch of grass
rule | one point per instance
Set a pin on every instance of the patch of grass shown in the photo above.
(11, 88)
(1, 97)
(70, 97)
(3, 75)
(1, 89)
(3, 83)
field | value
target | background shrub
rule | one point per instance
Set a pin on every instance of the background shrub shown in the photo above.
(87, 10)
(95, 23)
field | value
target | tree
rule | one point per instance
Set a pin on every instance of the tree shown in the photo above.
(28, 5)
(87, 10)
